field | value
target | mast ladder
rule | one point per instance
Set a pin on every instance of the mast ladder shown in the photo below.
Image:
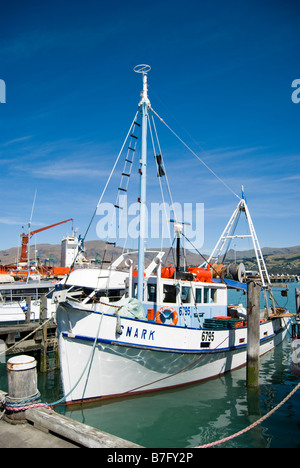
(128, 164)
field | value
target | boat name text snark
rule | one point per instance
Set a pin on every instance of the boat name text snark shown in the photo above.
(140, 334)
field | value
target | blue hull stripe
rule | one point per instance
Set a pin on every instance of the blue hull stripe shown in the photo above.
(168, 350)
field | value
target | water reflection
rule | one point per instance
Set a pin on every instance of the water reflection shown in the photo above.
(208, 411)
(200, 413)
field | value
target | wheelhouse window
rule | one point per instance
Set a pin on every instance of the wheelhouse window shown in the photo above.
(113, 294)
(151, 290)
(210, 295)
(185, 294)
(198, 296)
(169, 293)
(206, 295)
(213, 294)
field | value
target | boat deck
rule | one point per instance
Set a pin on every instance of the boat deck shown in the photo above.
(284, 315)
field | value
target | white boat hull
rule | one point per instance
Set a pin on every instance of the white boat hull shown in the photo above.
(295, 363)
(16, 311)
(12, 312)
(146, 356)
(13, 304)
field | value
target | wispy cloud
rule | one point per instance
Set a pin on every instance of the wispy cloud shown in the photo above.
(62, 159)
(11, 222)
(66, 169)
(16, 140)
(293, 178)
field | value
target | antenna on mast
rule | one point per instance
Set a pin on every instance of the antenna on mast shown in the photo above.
(144, 69)
(178, 228)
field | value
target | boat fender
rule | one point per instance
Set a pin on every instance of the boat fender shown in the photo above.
(166, 312)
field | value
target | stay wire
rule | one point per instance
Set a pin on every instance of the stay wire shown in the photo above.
(199, 253)
(160, 184)
(110, 176)
(196, 155)
(104, 190)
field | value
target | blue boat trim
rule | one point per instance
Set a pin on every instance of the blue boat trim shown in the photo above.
(231, 283)
(178, 351)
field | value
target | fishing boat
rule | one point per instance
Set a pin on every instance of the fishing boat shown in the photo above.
(124, 331)
(295, 361)
(25, 285)
(21, 301)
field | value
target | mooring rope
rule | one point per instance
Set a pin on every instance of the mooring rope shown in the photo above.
(88, 364)
(256, 423)
(16, 404)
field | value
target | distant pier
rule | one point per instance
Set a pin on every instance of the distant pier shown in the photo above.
(284, 278)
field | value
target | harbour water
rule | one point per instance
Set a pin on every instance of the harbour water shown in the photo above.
(202, 413)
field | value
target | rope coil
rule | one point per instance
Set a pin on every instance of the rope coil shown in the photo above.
(15, 405)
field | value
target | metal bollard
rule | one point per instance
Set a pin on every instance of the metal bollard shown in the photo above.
(22, 387)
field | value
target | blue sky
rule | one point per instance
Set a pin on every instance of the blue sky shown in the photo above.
(221, 78)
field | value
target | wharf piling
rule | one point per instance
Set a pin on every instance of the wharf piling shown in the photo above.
(296, 325)
(297, 294)
(22, 386)
(253, 342)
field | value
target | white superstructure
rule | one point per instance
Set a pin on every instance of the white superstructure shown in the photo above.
(72, 250)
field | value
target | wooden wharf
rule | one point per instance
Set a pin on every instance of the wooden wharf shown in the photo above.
(32, 337)
(44, 428)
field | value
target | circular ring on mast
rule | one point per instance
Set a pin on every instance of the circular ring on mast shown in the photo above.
(143, 68)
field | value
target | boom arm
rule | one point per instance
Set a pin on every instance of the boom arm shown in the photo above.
(25, 239)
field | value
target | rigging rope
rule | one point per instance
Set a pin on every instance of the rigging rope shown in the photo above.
(88, 364)
(201, 160)
(104, 190)
(167, 180)
(110, 176)
(160, 183)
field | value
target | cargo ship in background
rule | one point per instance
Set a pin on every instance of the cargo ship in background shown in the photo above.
(23, 284)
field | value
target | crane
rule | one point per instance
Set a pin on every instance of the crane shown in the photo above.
(27, 237)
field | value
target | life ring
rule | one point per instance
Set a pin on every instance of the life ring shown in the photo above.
(170, 312)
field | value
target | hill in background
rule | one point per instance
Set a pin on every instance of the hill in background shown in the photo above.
(278, 260)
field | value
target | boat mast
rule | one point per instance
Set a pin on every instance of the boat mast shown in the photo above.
(144, 106)
(228, 235)
(29, 236)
